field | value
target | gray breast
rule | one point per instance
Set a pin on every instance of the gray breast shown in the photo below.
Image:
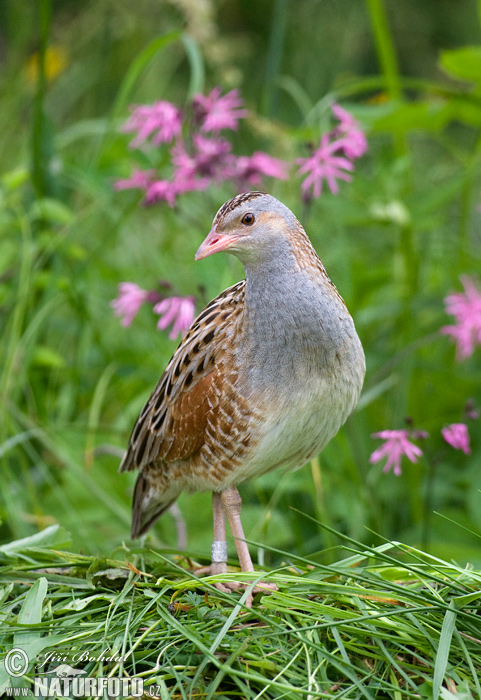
(296, 328)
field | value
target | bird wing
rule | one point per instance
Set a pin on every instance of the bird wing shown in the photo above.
(174, 421)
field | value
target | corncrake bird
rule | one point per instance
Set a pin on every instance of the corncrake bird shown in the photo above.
(264, 378)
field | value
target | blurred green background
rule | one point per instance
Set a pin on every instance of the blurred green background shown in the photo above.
(394, 241)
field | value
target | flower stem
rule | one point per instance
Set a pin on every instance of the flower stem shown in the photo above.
(410, 261)
(274, 57)
(41, 140)
(466, 200)
(428, 507)
(385, 48)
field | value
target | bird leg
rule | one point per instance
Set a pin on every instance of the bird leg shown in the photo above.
(228, 504)
(218, 563)
(232, 503)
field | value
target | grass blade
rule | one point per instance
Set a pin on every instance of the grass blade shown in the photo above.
(197, 71)
(444, 647)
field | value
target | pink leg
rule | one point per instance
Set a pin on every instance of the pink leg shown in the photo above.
(232, 503)
(228, 505)
(218, 563)
(219, 545)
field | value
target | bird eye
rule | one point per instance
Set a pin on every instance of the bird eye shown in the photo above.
(248, 219)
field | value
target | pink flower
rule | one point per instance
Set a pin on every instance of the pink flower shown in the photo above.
(161, 191)
(215, 113)
(396, 445)
(211, 160)
(130, 299)
(176, 310)
(353, 139)
(211, 155)
(324, 164)
(334, 156)
(140, 179)
(466, 309)
(470, 410)
(162, 119)
(185, 166)
(457, 436)
(251, 169)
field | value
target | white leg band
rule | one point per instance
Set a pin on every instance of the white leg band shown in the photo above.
(219, 551)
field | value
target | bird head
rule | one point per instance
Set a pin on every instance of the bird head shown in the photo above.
(252, 226)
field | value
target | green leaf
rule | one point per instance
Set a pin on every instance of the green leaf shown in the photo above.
(31, 613)
(464, 63)
(466, 110)
(51, 210)
(103, 572)
(462, 693)
(444, 647)
(15, 178)
(197, 72)
(461, 600)
(46, 357)
(81, 603)
(52, 537)
(27, 640)
(404, 117)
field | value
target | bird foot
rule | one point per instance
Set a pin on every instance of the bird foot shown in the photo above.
(216, 567)
(227, 586)
(261, 587)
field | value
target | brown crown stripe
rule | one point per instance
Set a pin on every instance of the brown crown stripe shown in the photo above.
(234, 203)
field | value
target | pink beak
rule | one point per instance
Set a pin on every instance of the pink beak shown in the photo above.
(214, 243)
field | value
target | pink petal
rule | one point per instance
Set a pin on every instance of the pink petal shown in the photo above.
(216, 112)
(176, 310)
(127, 304)
(466, 309)
(395, 446)
(457, 436)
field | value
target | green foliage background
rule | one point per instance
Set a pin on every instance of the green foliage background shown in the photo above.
(395, 242)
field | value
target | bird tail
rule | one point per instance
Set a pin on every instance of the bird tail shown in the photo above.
(148, 505)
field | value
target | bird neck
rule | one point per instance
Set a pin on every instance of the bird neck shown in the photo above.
(292, 311)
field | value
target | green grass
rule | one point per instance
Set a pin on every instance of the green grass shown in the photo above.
(72, 380)
(383, 622)
(391, 621)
